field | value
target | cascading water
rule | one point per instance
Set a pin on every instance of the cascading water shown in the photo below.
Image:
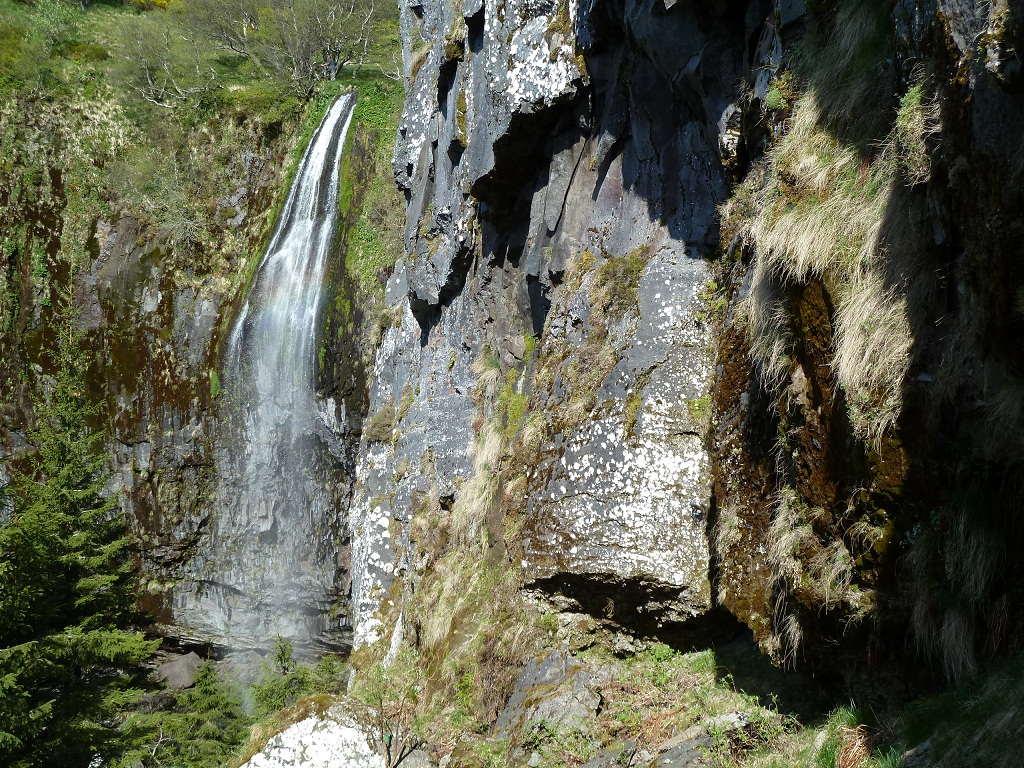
(271, 568)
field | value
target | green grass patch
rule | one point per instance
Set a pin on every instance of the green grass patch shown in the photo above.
(616, 282)
(374, 242)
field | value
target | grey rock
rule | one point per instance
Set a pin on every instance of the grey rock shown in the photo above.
(618, 754)
(418, 758)
(689, 753)
(556, 690)
(180, 671)
(918, 757)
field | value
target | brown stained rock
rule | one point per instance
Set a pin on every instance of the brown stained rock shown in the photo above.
(743, 486)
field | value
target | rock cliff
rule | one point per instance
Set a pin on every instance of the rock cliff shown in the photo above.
(706, 309)
(695, 318)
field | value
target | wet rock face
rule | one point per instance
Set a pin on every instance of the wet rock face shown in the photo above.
(158, 390)
(562, 168)
(157, 327)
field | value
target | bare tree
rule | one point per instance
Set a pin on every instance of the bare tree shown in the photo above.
(298, 41)
(165, 66)
(392, 695)
(231, 24)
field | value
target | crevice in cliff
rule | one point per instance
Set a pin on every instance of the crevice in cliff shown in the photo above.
(640, 607)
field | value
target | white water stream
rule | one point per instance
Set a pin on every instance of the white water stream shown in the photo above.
(271, 566)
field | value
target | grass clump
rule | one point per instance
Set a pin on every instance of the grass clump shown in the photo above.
(916, 123)
(821, 208)
(380, 426)
(616, 282)
(954, 562)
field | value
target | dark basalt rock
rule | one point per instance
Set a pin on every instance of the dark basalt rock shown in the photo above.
(533, 139)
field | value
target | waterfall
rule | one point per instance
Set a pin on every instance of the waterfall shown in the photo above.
(271, 567)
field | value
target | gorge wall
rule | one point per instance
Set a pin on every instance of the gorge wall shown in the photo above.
(695, 319)
(707, 312)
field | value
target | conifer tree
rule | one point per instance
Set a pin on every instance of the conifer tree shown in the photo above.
(71, 656)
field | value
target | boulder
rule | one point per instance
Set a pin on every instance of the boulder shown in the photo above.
(617, 754)
(179, 672)
(556, 690)
(320, 742)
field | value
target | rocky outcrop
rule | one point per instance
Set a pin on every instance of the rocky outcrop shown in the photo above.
(562, 167)
(826, 538)
(319, 741)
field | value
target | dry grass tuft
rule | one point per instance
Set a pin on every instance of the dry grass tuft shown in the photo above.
(487, 369)
(953, 564)
(480, 491)
(856, 748)
(832, 570)
(873, 352)
(768, 327)
(829, 204)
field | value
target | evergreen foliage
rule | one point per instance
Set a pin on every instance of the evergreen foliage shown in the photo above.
(71, 658)
(285, 681)
(202, 727)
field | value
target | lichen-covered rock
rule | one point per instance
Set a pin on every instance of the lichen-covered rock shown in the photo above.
(319, 742)
(549, 153)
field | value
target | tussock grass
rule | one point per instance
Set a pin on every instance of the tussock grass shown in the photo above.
(768, 326)
(380, 426)
(830, 205)
(873, 353)
(487, 369)
(479, 492)
(820, 571)
(832, 570)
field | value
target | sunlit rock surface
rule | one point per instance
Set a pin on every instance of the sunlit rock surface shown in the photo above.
(331, 741)
(537, 135)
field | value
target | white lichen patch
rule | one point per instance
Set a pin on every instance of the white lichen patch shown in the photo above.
(632, 501)
(533, 75)
(319, 742)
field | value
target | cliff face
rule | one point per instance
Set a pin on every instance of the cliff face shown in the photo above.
(562, 166)
(863, 434)
(155, 291)
(705, 309)
(632, 226)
